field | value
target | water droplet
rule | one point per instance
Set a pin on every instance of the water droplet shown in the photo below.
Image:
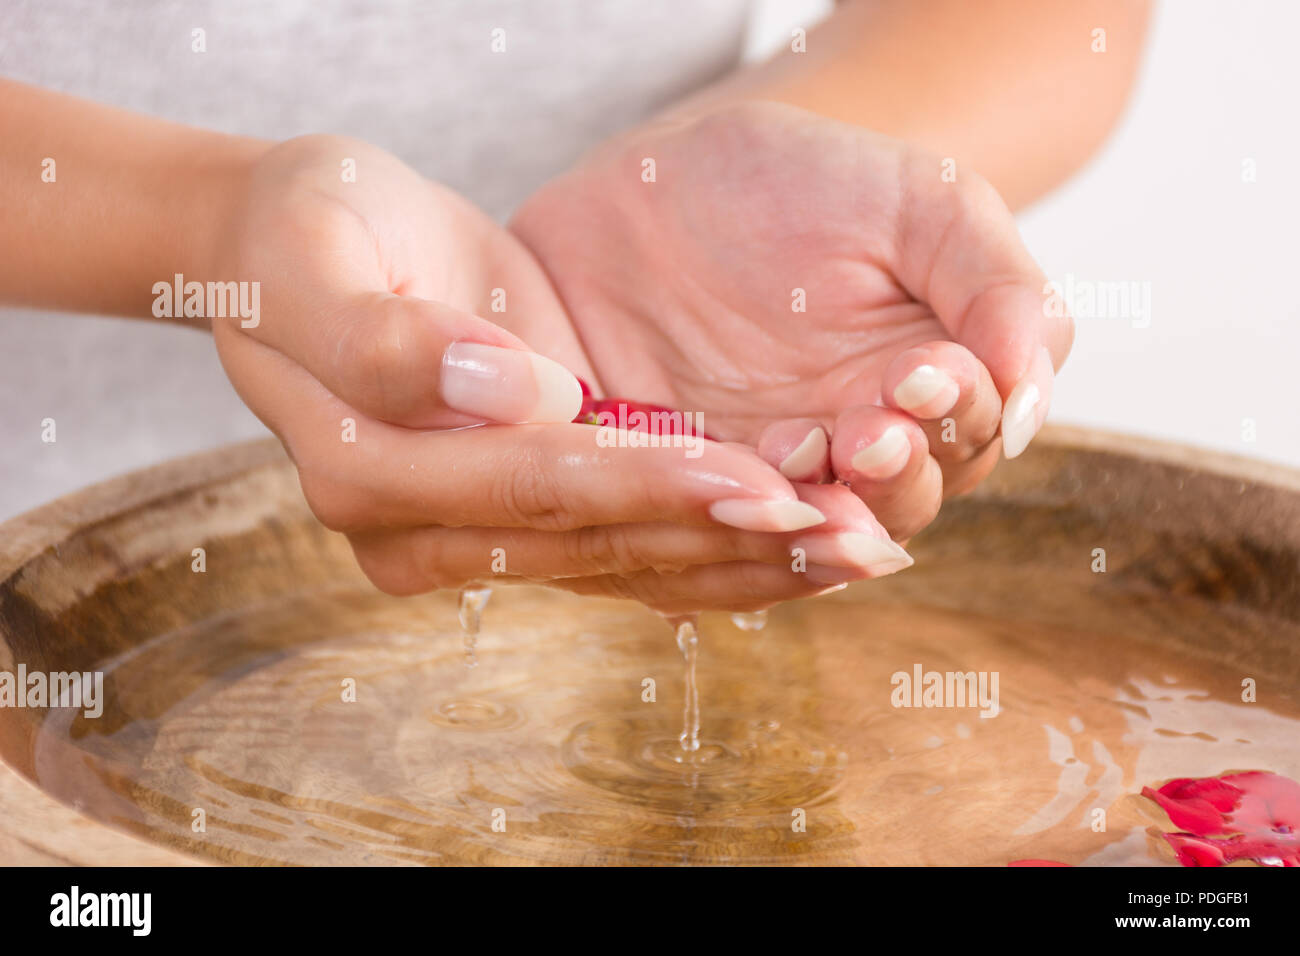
(751, 621)
(472, 602)
(688, 642)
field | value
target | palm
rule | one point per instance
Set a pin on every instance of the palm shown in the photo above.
(686, 291)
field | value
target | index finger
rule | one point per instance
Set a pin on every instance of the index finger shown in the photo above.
(358, 472)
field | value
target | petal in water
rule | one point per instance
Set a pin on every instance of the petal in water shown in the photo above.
(1242, 816)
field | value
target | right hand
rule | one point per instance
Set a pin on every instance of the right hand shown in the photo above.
(371, 297)
(798, 279)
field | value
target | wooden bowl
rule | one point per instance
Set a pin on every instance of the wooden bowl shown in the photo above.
(1128, 595)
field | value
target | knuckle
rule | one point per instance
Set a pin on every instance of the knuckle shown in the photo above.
(376, 351)
(751, 582)
(528, 494)
(603, 549)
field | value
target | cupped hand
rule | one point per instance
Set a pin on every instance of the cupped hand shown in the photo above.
(825, 293)
(373, 361)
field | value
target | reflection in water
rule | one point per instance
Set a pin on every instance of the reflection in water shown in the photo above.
(247, 717)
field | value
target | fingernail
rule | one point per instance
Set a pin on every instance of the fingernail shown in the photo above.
(927, 392)
(884, 457)
(879, 556)
(1025, 409)
(508, 385)
(758, 514)
(1018, 419)
(805, 459)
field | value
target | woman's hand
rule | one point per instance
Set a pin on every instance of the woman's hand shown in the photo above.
(371, 359)
(374, 280)
(762, 262)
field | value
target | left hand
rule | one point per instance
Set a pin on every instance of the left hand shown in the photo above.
(923, 348)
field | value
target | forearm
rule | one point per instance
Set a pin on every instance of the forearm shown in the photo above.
(1010, 88)
(100, 203)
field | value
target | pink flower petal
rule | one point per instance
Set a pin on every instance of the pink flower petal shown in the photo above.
(1243, 816)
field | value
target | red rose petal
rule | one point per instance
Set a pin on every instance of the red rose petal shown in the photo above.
(1242, 816)
(622, 411)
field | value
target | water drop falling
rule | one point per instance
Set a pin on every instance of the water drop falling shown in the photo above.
(473, 600)
(751, 621)
(688, 641)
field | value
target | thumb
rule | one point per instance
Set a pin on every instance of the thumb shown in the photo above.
(422, 364)
(963, 256)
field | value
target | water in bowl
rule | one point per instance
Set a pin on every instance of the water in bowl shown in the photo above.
(343, 727)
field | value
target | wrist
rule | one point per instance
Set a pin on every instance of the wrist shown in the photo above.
(207, 179)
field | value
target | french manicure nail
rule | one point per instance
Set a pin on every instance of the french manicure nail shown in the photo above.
(805, 459)
(879, 556)
(884, 457)
(927, 392)
(1026, 406)
(759, 514)
(1019, 419)
(508, 385)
